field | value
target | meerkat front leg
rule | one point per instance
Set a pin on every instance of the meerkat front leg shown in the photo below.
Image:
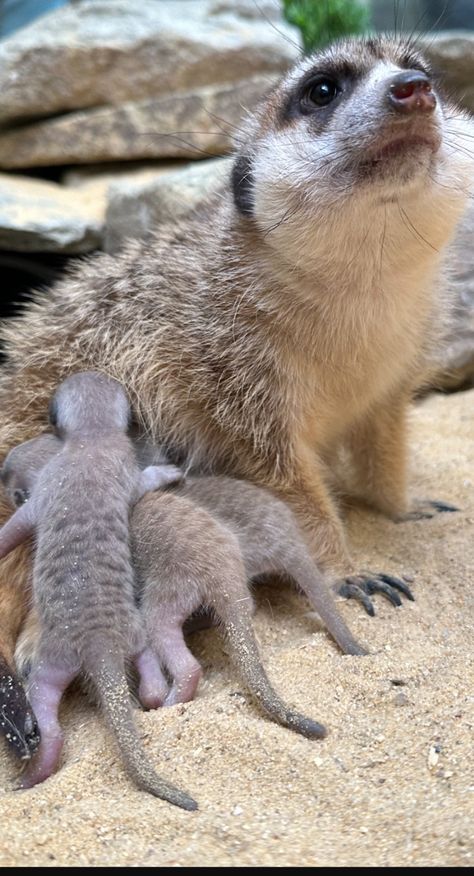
(379, 451)
(379, 446)
(310, 499)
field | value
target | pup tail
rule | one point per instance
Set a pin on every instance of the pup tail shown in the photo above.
(110, 680)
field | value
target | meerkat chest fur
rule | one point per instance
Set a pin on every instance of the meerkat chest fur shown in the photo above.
(355, 175)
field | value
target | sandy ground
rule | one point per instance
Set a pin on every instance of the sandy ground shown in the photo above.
(393, 783)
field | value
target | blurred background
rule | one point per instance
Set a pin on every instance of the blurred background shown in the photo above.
(117, 115)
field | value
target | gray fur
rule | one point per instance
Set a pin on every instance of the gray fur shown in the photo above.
(83, 585)
(185, 559)
(271, 541)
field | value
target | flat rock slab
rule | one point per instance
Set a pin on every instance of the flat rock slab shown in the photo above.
(198, 123)
(112, 51)
(45, 217)
(137, 204)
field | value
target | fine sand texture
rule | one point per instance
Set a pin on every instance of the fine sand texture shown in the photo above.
(393, 782)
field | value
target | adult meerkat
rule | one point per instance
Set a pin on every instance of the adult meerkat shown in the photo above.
(78, 507)
(289, 317)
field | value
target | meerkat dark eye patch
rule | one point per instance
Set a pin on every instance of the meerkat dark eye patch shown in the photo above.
(242, 185)
(318, 93)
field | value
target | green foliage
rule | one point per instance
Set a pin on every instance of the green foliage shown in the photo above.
(321, 21)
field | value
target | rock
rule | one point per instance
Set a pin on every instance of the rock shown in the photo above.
(136, 205)
(113, 51)
(456, 365)
(97, 182)
(93, 175)
(452, 53)
(200, 122)
(262, 10)
(45, 217)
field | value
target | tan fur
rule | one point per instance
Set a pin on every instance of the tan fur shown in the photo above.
(257, 345)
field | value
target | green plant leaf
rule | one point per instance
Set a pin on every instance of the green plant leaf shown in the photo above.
(322, 21)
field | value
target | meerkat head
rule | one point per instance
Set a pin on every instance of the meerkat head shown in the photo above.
(24, 463)
(89, 402)
(359, 124)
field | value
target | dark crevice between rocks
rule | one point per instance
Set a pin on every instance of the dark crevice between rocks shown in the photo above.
(23, 273)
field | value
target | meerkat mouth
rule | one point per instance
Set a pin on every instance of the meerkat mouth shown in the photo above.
(406, 146)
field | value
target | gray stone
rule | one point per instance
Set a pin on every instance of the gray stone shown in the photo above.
(192, 124)
(457, 359)
(94, 175)
(136, 205)
(45, 217)
(452, 54)
(101, 52)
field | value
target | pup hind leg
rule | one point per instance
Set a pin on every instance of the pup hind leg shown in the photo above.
(153, 686)
(183, 668)
(46, 684)
(164, 609)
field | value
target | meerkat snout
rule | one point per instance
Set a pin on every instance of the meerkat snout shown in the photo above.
(411, 92)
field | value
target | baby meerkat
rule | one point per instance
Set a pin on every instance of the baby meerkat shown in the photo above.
(186, 559)
(291, 317)
(197, 548)
(77, 504)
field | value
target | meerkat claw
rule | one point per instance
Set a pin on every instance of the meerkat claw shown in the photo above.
(363, 586)
(443, 506)
(426, 509)
(398, 584)
(351, 589)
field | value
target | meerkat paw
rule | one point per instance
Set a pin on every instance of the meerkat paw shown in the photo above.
(425, 509)
(17, 719)
(363, 585)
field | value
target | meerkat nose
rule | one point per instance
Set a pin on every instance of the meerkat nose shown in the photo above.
(410, 92)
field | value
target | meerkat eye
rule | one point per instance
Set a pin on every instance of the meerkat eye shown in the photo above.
(319, 93)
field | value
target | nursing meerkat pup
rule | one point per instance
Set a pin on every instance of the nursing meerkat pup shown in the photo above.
(78, 506)
(198, 547)
(186, 558)
(291, 316)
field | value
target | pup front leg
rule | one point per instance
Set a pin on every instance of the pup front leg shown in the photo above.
(155, 477)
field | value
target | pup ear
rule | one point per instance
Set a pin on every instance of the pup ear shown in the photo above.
(242, 185)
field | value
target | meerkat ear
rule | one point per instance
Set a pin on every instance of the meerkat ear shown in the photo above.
(242, 185)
